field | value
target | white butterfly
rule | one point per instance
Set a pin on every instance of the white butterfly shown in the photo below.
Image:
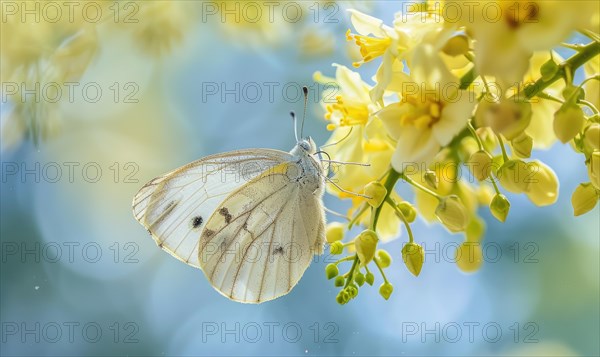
(250, 219)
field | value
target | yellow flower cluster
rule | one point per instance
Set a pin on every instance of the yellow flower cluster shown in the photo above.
(459, 102)
(46, 46)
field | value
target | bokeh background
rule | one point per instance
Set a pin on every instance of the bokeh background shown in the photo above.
(79, 276)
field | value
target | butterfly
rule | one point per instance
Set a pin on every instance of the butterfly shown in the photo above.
(251, 220)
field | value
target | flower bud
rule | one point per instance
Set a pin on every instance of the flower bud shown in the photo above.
(568, 122)
(506, 116)
(365, 244)
(594, 169)
(386, 290)
(543, 190)
(584, 198)
(452, 213)
(334, 232)
(331, 271)
(340, 298)
(336, 247)
(475, 230)
(408, 211)
(488, 138)
(383, 258)
(339, 281)
(456, 45)
(515, 176)
(377, 192)
(352, 291)
(522, 145)
(413, 256)
(500, 207)
(480, 164)
(359, 278)
(469, 257)
(431, 179)
(370, 278)
(592, 137)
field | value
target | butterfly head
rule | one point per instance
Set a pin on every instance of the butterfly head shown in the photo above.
(308, 145)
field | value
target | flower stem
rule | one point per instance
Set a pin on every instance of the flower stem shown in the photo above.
(586, 53)
(391, 202)
(420, 187)
(351, 271)
(477, 138)
(381, 271)
(389, 184)
(504, 155)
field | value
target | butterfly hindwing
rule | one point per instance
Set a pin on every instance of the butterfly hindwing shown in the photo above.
(262, 237)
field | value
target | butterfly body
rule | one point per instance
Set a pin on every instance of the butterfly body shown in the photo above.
(250, 219)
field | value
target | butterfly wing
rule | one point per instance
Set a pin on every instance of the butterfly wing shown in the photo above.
(175, 207)
(262, 237)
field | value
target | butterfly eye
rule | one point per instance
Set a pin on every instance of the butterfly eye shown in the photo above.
(305, 145)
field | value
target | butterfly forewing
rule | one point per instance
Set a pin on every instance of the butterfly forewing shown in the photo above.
(175, 207)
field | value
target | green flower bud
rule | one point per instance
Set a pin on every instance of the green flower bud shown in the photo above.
(568, 122)
(500, 207)
(431, 179)
(480, 164)
(352, 291)
(340, 299)
(334, 232)
(359, 278)
(346, 296)
(336, 247)
(549, 69)
(515, 176)
(592, 137)
(456, 45)
(413, 256)
(384, 258)
(339, 281)
(452, 213)
(365, 244)
(331, 270)
(522, 145)
(386, 290)
(469, 257)
(370, 278)
(584, 198)
(409, 212)
(377, 192)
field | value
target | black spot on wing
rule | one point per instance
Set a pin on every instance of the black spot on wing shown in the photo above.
(278, 250)
(197, 222)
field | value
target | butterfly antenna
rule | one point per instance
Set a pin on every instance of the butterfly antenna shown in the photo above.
(305, 91)
(293, 115)
(339, 141)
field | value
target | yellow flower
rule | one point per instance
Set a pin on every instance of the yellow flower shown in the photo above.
(431, 112)
(506, 39)
(360, 138)
(374, 39)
